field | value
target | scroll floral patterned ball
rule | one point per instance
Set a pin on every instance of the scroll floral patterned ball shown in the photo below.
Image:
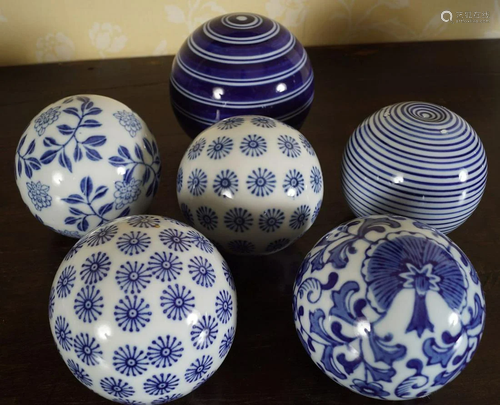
(250, 183)
(86, 160)
(388, 307)
(143, 310)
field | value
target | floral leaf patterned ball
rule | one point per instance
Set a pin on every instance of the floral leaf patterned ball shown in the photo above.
(388, 307)
(84, 161)
(143, 309)
(251, 184)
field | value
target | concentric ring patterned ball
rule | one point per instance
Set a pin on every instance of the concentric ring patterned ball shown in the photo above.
(388, 307)
(239, 64)
(143, 310)
(86, 160)
(415, 159)
(250, 183)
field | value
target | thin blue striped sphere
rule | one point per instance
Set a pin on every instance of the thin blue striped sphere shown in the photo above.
(415, 159)
(240, 64)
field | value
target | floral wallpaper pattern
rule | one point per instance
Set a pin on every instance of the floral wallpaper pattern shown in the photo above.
(51, 31)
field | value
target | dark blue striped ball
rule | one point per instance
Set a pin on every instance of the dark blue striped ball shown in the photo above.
(418, 160)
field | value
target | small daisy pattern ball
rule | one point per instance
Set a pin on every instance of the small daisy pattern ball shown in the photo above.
(143, 310)
(84, 161)
(388, 307)
(250, 183)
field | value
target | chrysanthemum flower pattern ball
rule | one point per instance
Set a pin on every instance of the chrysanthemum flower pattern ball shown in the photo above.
(250, 183)
(388, 307)
(143, 310)
(240, 64)
(86, 160)
(415, 159)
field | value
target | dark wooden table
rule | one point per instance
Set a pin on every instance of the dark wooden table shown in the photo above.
(267, 364)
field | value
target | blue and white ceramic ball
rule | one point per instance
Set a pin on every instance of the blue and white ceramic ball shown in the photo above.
(415, 159)
(86, 160)
(250, 183)
(143, 310)
(240, 64)
(388, 307)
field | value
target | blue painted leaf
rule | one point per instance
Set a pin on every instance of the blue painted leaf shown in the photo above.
(21, 143)
(146, 175)
(75, 211)
(74, 199)
(128, 175)
(34, 163)
(48, 156)
(124, 213)
(378, 374)
(28, 170)
(155, 186)
(123, 151)
(31, 148)
(385, 351)
(95, 140)
(105, 209)
(94, 111)
(65, 161)
(150, 190)
(83, 225)
(72, 111)
(148, 146)
(138, 152)
(68, 100)
(90, 124)
(77, 154)
(100, 192)
(155, 148)
(92, 154)
(65, 129)
(48, 142)
(19, 167)
(86, 186)
(349, 366)
(90, 105)
(70, 220)
(116, 161)
(83, 99)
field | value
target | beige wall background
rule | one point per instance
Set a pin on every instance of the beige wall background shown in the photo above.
(40, 31)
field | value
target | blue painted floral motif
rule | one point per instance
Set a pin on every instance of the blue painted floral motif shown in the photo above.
(133, 243)
(130, 361)
(241, 246)
(175, 239)
(52, 299)
(88, 304)
(253, 145)
(271, 220)
(129, 121)
(416, 381)
(198, 368)
(226, 184)
(95, 268)
(293, 183)
(202, 243)
(196, 148)
(201, 271)
(144, 221)
(126, 192)
(29, 163)
(207, 218)
(307, 145)
(180, 179)
(63, 333)
(226, 342)
(230, 123)
(261, 182)
(371, 389)
(101, 236)
(117, 387)
(46, 118)
(316, 179)
(289, 146)
(39, 195)
(204, 332)
(161, 384)
(300, 217)
(164, 266)
(66, 282)
(164, 352)
(263, 122)
(188, 215)
(316, 211)
(132, 314)
(220, 148)
(177, 301)
(224, 306)
(238, 219)
(87, 349)
(228, 275)
(79, 373)
(197, 182)
(277, 245)
(133, 278)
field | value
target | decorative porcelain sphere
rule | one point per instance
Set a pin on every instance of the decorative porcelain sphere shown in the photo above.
(388, 307)
(86, 160)
(415, 159)
(250, 183)
(239, 64)
(143, 310)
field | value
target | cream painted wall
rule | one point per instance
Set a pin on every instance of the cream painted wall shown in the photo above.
(39, 31)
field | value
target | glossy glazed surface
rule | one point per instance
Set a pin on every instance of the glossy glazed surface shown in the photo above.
(388, 307)
(143, 309)
(239, 64)
(415, 159)
(86, 160)
(250, 183)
